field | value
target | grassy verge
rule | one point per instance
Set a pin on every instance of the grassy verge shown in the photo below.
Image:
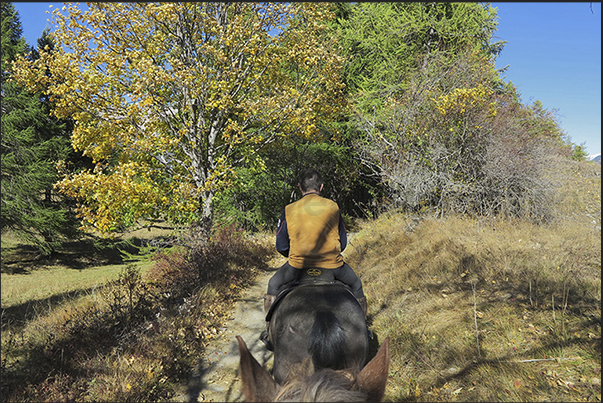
(52, 282)
(32, 285)
(477, 310)
(488, 310)
(136, 337)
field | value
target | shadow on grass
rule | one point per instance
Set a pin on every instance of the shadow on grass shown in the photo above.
(16, 316)
(153, 322)
(79, 255)
(514, 294)
(61, 352)
(512, 361)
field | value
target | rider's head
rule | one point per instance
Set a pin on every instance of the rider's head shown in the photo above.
(310, 180)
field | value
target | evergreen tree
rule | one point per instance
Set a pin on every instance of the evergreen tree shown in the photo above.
(32, 144)
(388, 43)
(431, 115)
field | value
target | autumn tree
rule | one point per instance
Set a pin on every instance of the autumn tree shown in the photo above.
(32, 144)
(167, 98)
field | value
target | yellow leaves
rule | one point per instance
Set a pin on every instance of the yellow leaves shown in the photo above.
(146, 102)
(460, 100)
(31, 74)
(417, 391)
(310, 130)
(492, 108)
(111, 198)
(149, 86)
(219, 176)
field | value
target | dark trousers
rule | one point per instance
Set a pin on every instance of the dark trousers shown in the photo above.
(287, 273)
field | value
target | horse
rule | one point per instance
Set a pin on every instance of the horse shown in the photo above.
(322, 320)
(306, 384)
(318, 331)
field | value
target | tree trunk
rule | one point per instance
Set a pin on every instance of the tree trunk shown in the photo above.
(200, 231)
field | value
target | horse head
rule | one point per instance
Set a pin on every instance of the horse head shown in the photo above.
(306, 384)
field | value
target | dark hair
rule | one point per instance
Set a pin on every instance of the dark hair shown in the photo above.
(310, 179)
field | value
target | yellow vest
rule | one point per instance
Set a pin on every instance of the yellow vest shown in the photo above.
(313, 227)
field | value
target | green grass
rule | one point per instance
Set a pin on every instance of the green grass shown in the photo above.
(45, 283)
(34, 285)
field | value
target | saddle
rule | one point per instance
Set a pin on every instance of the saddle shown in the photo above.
(306, 277)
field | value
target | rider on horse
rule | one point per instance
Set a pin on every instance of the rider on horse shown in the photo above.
(312, 234)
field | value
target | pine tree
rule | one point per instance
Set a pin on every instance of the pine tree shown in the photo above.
(32, 144)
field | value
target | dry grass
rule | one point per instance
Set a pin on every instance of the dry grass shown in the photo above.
(477, 310)
(489, 310)
(132, 339)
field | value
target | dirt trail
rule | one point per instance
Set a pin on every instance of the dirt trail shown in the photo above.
(218, 375)
(217, 379)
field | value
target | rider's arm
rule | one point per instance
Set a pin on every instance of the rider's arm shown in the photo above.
(282, 236)
(343, 236)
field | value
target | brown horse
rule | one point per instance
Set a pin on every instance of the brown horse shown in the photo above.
(304, 384)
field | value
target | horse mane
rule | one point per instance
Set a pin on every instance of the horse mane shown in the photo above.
(305, 384)
(327, 339)
(324, 385)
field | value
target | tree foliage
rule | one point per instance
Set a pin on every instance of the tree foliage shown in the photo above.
(32, 144)
(190, 108)
(435, 120)
(388, 43)
(168, 98)
(257, 199)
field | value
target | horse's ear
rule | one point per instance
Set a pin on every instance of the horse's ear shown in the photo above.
(373, 377)
(258, 384)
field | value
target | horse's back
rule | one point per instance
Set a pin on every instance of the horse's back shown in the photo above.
(324, 322)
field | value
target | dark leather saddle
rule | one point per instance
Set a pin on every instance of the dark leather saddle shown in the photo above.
(312, 275)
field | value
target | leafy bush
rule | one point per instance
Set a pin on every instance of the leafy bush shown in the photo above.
(458, 141)
(184, 269)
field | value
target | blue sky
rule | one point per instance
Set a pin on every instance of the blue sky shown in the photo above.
(553, 54)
